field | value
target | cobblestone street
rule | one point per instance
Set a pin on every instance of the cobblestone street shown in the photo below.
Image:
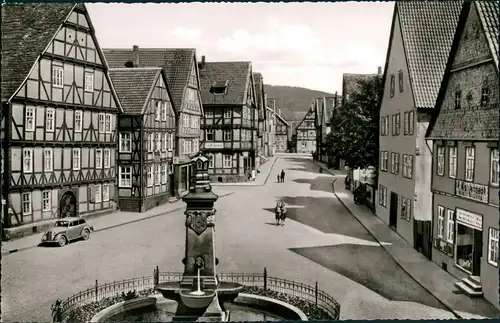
(321, 242)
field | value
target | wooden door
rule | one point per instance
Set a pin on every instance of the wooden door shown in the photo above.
(67, 205)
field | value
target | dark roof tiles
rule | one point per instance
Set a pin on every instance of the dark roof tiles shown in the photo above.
(236, 73)
(428, 28)
(177, 63)
(133, 86)
(27, 29)
(488, 13)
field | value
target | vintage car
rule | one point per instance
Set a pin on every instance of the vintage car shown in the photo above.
(66, 230)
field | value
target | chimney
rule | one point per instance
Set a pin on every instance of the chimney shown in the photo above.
(380, 70)
(136, 56)
(202, 66)
(279, 111)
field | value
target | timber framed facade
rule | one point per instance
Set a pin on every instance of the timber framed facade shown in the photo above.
(146, 138)
(230, 122)
(181, 69)
(306, 133)
(60, 134)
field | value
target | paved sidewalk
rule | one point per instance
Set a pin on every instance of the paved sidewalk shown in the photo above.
(107, 221)
(429, 275)
(260, 178)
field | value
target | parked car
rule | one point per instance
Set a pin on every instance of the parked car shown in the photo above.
(66, 230)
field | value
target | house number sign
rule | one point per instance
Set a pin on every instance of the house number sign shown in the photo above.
(472, 191)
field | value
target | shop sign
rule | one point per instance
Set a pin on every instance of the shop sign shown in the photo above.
(472, 191)
(214, 145)
(470, 219)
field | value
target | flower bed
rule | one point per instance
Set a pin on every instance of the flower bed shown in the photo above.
(309, 308)
(86, 312)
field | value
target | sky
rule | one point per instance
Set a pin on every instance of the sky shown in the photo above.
(296, 44)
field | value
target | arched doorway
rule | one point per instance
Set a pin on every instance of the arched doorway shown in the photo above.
(67, 206)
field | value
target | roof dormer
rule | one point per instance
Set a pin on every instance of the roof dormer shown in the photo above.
(219, 87)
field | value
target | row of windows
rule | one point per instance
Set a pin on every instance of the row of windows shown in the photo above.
(227, 161)
(483, 100)
(395, 159)
(156, 141)
(446, 228)
(105, 120)
(408, 124)
(161, 111)
(228, 113)
(102, 159)
(190, 121)
(227, 134)
(406, 204)
(101, 194)
(470, 157)
(190, 146)
(58, 78)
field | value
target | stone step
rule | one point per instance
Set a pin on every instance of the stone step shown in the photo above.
(475, 279)
(472, 284)
(467, 290)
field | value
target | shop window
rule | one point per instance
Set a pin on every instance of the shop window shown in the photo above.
(493, 247)
(465, 247)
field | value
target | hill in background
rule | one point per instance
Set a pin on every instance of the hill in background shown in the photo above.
(293, 101)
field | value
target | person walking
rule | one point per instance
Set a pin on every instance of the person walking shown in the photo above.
(282, 175)
(277, 213)
(283, 213)
(278, 177)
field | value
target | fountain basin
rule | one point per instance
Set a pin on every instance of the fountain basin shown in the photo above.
(246, 307)
(192, 300)
(226, 291)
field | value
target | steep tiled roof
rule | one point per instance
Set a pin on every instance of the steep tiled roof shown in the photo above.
(236, 73)
(283, 120)
(329, 107)
(427, 29)
(488, 13)
(133, 86)
(176, 62)
(27, 29)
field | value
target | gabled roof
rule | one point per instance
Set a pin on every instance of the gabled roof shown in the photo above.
(27, 30)
(488, 14)
(177, 63)
(308, 113)
(134, 86)
(238, 75)
(329, 107)
(427, 28)
(283, 120)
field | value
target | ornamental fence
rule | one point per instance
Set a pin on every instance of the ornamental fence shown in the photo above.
(62, 309)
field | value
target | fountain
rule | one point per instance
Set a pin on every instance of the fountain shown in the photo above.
(199, 293)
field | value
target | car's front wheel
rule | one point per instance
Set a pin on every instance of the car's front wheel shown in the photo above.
(85, 234)
(62, 241)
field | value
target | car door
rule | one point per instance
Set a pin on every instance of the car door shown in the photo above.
(73, 230)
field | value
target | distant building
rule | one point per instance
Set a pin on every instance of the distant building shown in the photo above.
(144, 175)
(413, 72)
(231, 119)
(271, 125)
(282, 134)
(59, 115)
(260, 98)
(306, 133)
(465, 170)
(324, 109)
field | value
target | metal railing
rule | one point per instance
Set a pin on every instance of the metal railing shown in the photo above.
(260, 280)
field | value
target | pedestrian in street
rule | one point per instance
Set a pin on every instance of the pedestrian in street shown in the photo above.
(283, 213)
(282, 175)
(278, 177)
(277, 213)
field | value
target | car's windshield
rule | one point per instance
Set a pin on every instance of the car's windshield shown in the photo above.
(62, 223)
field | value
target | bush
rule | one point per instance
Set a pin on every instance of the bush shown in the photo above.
(309, 308)
(129, 295)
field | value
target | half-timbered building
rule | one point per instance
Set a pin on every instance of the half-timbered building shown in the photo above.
(464, 133)
(271, 126)
(261, 107)
(230, 122)
(306, 133)
(181, 69)
(60, 117)
(281, 134)
(146, 137)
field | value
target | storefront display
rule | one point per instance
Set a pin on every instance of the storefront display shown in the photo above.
(469, 241)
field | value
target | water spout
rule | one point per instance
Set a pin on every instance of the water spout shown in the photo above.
(198, 291)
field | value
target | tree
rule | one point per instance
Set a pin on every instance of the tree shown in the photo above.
(355, 126)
